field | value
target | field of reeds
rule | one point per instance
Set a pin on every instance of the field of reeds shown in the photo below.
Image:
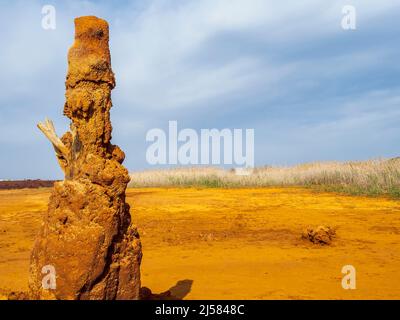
(372, 177)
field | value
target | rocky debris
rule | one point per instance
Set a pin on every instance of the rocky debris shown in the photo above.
(17, 296)
(87, 235)
(322, 235)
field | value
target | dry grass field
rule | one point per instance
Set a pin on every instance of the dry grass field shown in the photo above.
(242, 243)
(372, 177)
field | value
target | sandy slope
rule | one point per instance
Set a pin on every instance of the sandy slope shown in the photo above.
(242, 243)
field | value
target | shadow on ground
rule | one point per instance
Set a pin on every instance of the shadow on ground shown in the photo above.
(179, 291)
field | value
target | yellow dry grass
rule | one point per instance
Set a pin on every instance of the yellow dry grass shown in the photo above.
(236, 243)
(372, 177)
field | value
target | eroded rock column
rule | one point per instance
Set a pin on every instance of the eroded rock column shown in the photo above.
(87, 234)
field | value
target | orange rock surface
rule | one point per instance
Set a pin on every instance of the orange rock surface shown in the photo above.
(87, 234)
(236, 243)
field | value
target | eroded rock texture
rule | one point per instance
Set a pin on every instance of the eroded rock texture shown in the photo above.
(322, 235)
(87, 233)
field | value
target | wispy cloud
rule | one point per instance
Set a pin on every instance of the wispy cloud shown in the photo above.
(310, 89)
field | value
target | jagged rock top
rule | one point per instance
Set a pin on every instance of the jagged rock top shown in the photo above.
(89, 57)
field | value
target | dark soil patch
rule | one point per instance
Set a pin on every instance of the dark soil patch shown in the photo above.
(21, 184)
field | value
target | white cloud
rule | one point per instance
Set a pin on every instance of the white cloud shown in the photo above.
(163, 57)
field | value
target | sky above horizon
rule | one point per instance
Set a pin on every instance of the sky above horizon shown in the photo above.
(310, 90)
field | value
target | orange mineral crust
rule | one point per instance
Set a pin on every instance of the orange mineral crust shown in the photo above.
(86, 234)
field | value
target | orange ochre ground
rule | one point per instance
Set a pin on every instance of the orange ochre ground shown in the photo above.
(235, 243)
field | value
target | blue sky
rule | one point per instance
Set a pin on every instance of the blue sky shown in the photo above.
(310, 90)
